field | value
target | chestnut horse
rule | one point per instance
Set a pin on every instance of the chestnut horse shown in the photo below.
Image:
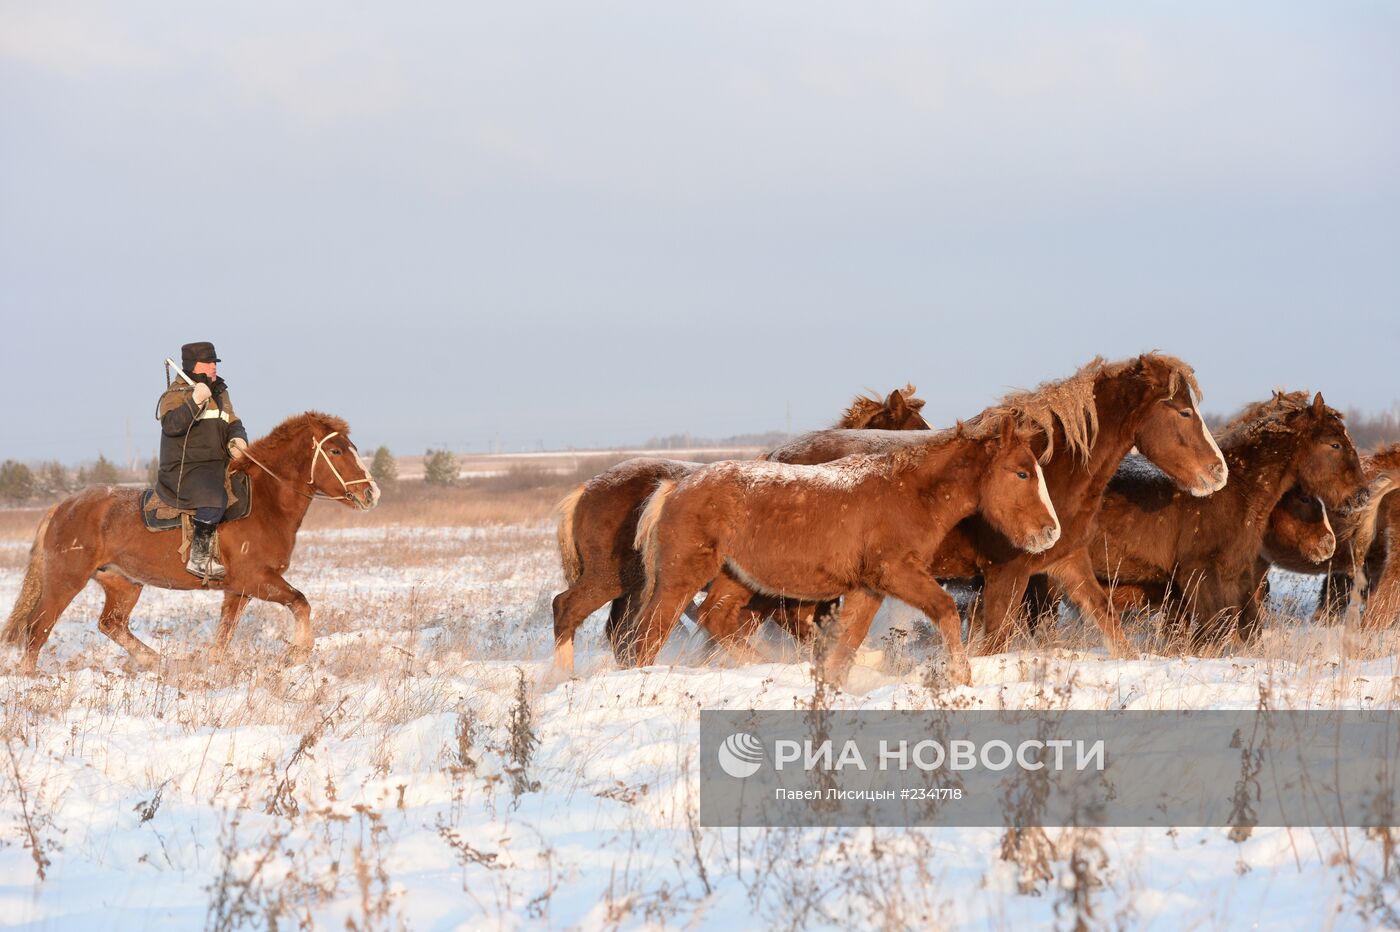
(1207, 551)
(1089, 421)
(598, 524)
(869, 522)
(99, 534)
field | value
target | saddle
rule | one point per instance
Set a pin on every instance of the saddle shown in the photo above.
(158, 516)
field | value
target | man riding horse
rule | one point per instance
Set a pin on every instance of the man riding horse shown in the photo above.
(200, 433)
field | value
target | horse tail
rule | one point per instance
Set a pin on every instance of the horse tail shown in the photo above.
(645, 542)
(19, 626)
(568, 550)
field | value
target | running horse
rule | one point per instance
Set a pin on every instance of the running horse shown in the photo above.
(769, 528)
(598, 527)
(99, 534)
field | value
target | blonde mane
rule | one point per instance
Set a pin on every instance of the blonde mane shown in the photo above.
(1070, 402)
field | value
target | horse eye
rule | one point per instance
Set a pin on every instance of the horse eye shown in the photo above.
(335, 451)
(1022, 474)
(1186, 413)
(1336, 446)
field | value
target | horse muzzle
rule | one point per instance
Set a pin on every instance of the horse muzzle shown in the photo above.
(1042, 541)
(365, 498)
(1211, 481)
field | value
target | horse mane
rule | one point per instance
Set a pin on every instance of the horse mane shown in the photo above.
(1070, 401)
(1385, 458)
(910, 456)
(293, 430)
(864, 408)
(1269, 416)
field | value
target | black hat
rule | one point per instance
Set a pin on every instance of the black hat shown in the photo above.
(192, 353)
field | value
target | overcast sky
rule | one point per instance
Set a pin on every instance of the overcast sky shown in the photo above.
(591, 223)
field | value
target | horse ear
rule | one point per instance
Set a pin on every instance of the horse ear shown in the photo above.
(1008, 431)
(895, 402)
(958, 428)
(1319, 406)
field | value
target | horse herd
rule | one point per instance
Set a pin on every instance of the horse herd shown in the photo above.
(1105, 489)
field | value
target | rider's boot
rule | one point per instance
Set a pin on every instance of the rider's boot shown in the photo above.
(204, 560)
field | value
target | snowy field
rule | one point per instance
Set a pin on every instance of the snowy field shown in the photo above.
(381, 784)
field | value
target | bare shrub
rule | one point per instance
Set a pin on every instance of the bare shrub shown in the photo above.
(523, 741)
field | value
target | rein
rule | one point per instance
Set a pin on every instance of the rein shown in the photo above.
(318, 452)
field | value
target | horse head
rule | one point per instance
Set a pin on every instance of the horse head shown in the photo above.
(1173, 435)
(1327, 464)
(1012, 490)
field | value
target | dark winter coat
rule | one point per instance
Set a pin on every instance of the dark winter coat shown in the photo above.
(194, 445)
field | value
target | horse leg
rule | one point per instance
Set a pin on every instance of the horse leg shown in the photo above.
(916, 586)
(801, 620)
(1335, 596)
(115, 621)
(1003, 588)
(719, 615)
(1383, 604)
(60, 586)
(683, 568)
(1038, 601)
(838, 654)
(234, 603)
(273, 588)
(571, 607)
(1076, 579)
(1254, 608)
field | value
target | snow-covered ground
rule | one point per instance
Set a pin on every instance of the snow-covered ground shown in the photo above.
(375, 785)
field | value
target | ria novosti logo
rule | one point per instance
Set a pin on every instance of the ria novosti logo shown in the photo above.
(740, 755)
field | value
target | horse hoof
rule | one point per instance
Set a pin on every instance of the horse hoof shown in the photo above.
(960, 671)
(143, 663)
(554, 676)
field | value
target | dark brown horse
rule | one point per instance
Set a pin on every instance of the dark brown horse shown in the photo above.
(598, 524)
(1089, 422)
(98, 534)
(1208, 551)
(1300, 531)
(865, 523)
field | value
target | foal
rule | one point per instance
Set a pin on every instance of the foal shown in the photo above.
(864, 523)
(598, 522)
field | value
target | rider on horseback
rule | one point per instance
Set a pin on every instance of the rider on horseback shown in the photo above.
(199, 435)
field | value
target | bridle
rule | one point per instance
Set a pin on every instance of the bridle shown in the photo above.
(318, 452)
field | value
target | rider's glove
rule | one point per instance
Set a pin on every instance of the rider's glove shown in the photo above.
(201, 393)
(236, 446)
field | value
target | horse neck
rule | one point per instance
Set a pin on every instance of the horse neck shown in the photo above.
(1261, 471)
(283, 497)
(948, 476)
(1120, 404)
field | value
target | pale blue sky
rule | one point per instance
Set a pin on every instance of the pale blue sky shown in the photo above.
(588, 224)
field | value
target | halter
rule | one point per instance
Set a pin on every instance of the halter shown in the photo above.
(317, 452)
